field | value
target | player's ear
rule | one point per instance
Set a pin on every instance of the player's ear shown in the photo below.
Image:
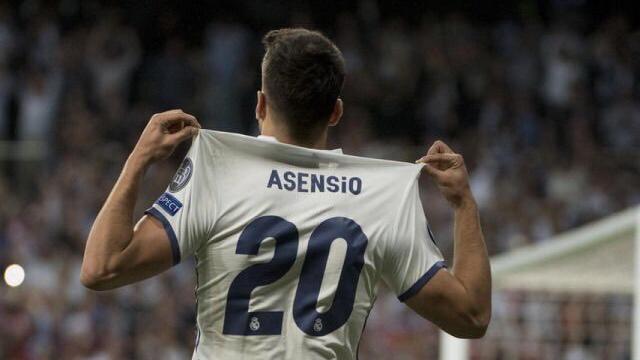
(336, 115)
(261, 106)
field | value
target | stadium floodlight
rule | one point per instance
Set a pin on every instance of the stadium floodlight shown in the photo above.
(597, 258)
(14, 275)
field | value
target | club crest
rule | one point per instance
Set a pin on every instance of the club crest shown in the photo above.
(317, 325)
(182, 176)
(254, 325)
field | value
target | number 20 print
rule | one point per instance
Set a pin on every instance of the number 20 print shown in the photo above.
(239, 321)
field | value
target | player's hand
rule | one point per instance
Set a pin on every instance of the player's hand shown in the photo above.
(163, 133)
(449, 172)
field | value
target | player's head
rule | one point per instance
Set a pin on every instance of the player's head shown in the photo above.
(302, 76)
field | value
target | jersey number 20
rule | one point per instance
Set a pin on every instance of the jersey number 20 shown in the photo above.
(239, 321)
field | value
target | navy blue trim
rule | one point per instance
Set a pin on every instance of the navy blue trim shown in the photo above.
(175, 248)
(422, 281)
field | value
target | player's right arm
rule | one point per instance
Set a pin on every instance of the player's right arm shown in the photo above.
(117, 253)
(459, 302)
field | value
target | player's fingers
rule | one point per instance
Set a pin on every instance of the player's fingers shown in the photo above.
(433, 149)
(431, 165)
(183, 134)
(432, 170)
(439, 147)
(444, 147)
(180, 115)
(443, 161)
(160, 117)
(186, 119)
(424, 159)
(191, 120)
(439, 158)
(171, 117)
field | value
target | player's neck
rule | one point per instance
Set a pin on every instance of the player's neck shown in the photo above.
(283, 136)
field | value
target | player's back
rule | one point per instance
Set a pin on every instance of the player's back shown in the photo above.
(291, 244)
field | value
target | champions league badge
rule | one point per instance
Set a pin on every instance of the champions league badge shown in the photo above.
(182, 176)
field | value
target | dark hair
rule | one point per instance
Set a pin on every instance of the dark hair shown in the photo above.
(303, 73)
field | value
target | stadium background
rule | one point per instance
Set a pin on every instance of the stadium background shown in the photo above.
(542, 98)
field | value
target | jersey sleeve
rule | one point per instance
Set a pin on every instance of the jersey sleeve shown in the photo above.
(181, 209)
(411, 258)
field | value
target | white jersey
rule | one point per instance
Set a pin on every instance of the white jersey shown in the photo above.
(291, 244)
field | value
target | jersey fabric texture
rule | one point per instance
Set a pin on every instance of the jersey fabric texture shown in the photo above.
(291, 244)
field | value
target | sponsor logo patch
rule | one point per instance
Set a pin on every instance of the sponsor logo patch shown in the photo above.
(169, 203)
(182, 176)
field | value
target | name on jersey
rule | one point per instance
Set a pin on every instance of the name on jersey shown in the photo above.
(169, 203)
(305, 182)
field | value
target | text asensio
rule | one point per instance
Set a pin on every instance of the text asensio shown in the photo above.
(304, 182)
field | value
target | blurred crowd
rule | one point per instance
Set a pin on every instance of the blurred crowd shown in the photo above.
(545, 109)
(545, 325)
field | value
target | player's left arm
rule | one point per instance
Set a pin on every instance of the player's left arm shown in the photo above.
(458, 301)
(118, 253)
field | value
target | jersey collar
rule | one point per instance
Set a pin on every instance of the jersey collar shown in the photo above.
(273, 139)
